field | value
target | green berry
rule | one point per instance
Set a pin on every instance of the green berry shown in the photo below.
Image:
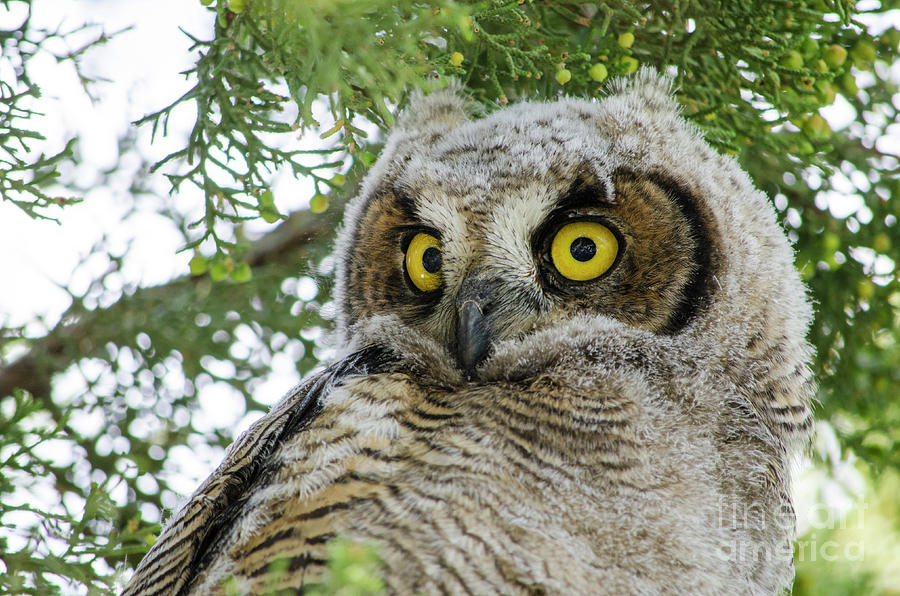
(816, 128)
(598, 72)
(366, 158)
(834, 56)
(848, 84)
(825, 92)
(891, 38)
(266, 199)
(318, 204)
(242, 273)
(626, 40)
(456, 58)
(628, 64)
(218, 271)
(863, 54)
(237, 6)
(199, 264)
(792, 60)
(831, 242)
(563, 76)
(865, 289)
(881, 243)
(810, 47)
(267, 209)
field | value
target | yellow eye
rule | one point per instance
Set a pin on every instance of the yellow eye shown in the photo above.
(423, 262)
(583, 250)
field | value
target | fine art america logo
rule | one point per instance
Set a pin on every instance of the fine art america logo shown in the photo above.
(814, 545)
(821, 520)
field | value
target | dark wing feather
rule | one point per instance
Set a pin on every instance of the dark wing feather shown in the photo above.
(187, 543)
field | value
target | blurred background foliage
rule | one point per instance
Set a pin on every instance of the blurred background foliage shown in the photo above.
(100, 411)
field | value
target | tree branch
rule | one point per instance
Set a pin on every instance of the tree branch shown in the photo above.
(83, 333)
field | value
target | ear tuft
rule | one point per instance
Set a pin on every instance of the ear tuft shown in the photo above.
(647, 87)
(439, 111)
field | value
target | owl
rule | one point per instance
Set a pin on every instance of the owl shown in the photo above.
(573, 362)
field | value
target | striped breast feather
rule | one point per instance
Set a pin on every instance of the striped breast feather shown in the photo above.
(188, 537)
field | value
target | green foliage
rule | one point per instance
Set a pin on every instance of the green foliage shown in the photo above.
(853, 552)
(277, 57)
(65, 548)
(25, 172)
(753, 76)
(354, 569)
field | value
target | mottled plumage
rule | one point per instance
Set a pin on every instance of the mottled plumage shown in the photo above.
(514, 431)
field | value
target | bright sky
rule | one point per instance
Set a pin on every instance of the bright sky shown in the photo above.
(141, 65)
(137, 74)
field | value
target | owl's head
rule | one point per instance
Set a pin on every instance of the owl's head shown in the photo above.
(470, 232)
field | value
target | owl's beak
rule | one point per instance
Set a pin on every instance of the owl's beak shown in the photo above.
(473, 332)
(472, 336)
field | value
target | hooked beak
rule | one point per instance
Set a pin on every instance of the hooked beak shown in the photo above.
(473, 333)
(472, 336)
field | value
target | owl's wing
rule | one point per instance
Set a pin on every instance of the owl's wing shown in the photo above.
(169, 565)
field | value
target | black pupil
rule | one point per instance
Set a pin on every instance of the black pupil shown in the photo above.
(583, 249)
(431, 260)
